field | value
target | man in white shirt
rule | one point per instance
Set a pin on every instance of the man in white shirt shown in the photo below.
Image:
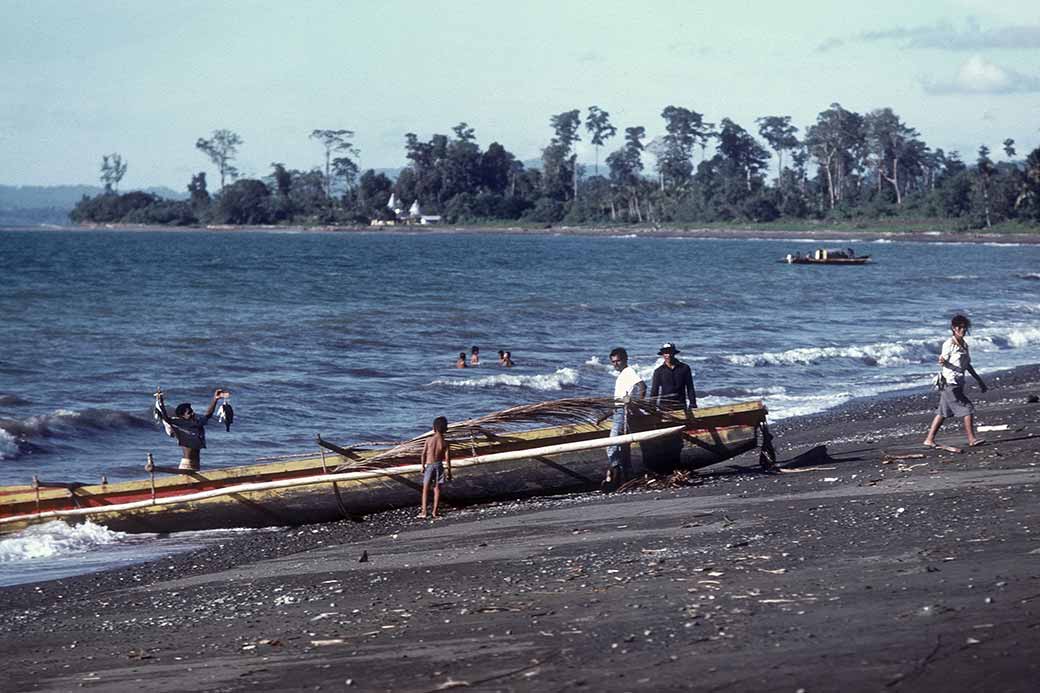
(627, 386)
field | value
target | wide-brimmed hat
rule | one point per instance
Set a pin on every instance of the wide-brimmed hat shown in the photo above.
(668, 348)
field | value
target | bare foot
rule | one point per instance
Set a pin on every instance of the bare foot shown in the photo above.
(421, 516)
(975, 443)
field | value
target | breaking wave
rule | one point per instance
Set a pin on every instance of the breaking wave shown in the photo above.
(19, 436)
(1034, 276)
(880, 354)
(886, 354)
(548, 382)
(55, 539)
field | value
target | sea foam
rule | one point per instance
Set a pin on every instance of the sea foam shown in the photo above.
(878, 354)
(54, 539)
(546, 382)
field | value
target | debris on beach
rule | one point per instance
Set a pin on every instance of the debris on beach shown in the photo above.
(676, 479)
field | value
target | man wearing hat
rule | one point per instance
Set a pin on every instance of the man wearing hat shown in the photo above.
(671, 388)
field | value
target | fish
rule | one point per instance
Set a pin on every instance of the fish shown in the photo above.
(227, 414)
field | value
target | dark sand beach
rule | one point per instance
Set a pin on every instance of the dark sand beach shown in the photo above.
(883, 566)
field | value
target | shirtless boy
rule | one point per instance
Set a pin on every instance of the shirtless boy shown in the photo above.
(436, 454)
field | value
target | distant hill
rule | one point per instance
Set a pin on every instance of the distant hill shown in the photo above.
(32, 205)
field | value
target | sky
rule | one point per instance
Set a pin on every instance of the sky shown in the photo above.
(147, 78)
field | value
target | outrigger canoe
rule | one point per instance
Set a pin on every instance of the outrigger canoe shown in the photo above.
(351, 482)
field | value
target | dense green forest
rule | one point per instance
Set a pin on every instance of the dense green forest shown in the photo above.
(846, 166)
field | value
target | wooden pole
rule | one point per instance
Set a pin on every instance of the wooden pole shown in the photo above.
(150, 467)
(355, 476)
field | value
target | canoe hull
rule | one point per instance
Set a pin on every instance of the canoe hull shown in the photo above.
(708, 438)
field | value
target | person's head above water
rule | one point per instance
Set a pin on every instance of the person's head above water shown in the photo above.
(183, 410)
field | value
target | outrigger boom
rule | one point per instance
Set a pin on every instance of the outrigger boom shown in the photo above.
(503, 463)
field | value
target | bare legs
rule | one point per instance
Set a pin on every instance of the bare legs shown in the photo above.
(969, 430)
(928, 439)
(425, 493)
(436, 498)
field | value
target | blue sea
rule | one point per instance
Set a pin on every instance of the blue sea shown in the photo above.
(354, 336)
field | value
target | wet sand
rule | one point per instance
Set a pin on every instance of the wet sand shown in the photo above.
(882, 566)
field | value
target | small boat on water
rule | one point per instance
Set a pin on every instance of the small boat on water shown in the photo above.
(828, 256)
(349, 482)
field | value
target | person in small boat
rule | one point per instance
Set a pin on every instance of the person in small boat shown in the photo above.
(188, 428)
(460, 362)
(627, 387)
(671, 388)
(954, 362)
(435, 455)
(474, 356)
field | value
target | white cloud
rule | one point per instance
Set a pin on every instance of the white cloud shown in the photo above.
(980, 76)
(945, 36)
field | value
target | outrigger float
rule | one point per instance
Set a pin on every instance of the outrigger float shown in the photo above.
(350, 482)
(827, 256)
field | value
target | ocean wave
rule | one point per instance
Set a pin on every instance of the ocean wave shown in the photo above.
(785, 406)
(1016, 338)
(54, 539)
(545, 382)
(17, 435)
(12, 401)
(888, 354)
(9, 448)
(879, 354)
(963, 277)
(1032, 276)
(738, 393)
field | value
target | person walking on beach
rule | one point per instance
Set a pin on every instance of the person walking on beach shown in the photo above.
(188, 428)
(671, 389)
(435, 455)
(954, 362)
(460, 362)
(627, 386)
(474, 356)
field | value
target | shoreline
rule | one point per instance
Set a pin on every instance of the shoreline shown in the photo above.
(848, 573)
(722, 233)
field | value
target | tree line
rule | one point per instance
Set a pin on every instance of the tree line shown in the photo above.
(844, 166)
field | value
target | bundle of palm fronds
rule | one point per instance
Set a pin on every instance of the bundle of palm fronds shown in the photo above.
(498, 426)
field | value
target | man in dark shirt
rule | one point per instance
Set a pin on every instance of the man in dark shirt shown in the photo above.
(671, 388)
(188, 428)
